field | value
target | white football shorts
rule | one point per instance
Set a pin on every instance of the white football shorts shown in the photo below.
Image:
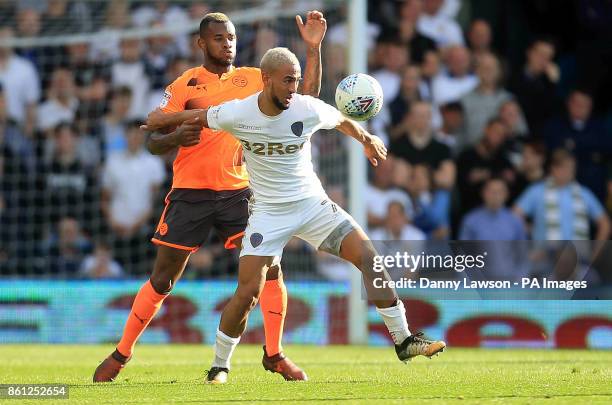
(312, 219)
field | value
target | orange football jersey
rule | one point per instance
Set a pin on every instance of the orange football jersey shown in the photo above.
(216, 162)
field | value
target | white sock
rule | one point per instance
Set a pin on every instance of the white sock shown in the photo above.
(395, 320)
(224, 347)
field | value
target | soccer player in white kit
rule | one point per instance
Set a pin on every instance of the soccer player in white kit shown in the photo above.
(274, 127)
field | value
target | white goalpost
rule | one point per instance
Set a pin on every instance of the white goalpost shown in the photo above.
(358, 308)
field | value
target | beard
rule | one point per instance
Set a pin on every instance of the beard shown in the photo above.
(278, 103)
(219, 61)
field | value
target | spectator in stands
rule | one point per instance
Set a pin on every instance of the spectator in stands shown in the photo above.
(92, 79)
(458, 80)
(69, 188)
(438, 26)
(100, 264)
(394, 60)
(531, 168)
(21, 85)
(20, 147)
(452, 126)
(397, 226)
(160, 52)
(194, 53)
(511, 114)
(494, 227)
(381, 192)
(414, 143)
(131, 181)
(116, 18)
(493, 221)
(483, 103)
(430, 73)
(417, 43)
(28, 23)
(175, 68)
(479, 38)
(62, 17)
(129, 71)
(169, 15)
(560, 207)
(481, 162)
(431, 202)
(410, 91)
(113, 123)
(61, 103)
(66, 247)
(535, 86)
(585, 137)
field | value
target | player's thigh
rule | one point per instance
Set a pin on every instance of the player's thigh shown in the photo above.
(357, 249)
(231, 218)
(326, 225)
(268, 230)
(186, 221)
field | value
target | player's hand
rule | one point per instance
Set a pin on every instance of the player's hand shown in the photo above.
(313, 30)
(152, 123)
(375, 149)
(188, 133)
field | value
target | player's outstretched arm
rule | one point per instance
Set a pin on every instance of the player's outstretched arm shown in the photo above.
(312, 33)
(159, 120)
(374, 147)
(187, 134)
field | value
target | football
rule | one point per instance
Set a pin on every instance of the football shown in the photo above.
(359, 97)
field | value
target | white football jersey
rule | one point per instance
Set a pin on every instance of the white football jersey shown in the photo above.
(277, 150)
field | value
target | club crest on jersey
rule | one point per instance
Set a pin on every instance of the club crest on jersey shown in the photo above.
(297, 128)
(256, 239)
(239, 81)
(165, 99)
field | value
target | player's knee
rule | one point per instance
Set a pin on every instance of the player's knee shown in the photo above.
(161, 285)
(248, 295)
(366, 258)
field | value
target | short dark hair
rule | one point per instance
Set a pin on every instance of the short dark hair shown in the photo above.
(546, 39)
(560, 156)
(495, 120)
(212, 18)
(57, 129)
(581, 90)
(124, 91)
(538, 147)
(453, 106)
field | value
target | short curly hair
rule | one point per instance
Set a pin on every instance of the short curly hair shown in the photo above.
(212, 18)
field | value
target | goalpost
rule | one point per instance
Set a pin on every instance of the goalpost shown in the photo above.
(358, 308)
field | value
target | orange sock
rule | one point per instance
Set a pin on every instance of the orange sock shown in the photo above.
(273, 303)
(145, 306)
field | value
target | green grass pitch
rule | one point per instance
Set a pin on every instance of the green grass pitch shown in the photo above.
(168, 374)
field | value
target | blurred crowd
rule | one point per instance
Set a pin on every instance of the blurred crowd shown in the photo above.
(498, 121)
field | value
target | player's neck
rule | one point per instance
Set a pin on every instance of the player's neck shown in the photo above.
(266, 105)
(217, 69)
